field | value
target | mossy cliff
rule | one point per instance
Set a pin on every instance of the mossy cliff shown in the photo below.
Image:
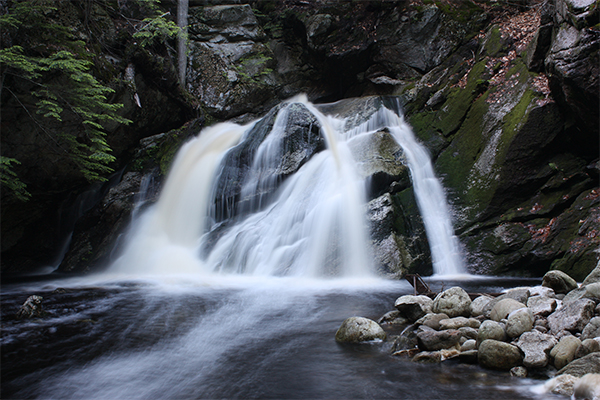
(504, 97)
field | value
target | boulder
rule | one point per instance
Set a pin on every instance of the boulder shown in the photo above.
(518, 294)
(431, 340)
(454, 302)
(468, 332)
(459, 322)
(540, 305)
(593, 277)
(519, 321)
(413, 307)
(479, 305)
(589, 364)
(590, 291)
(32, 307)
(407, 340)
(587, 387)
(504, 307)
(587, 346)
(432, 320)
(573, 316)
(559, 281)
(436, 356)
(499, 355)
(592, 329)
(536, 346)
(359, 329)
(541, 291)
(491, 330)
(561, 385)
(564, 352)
(519, 372)
(393, 318)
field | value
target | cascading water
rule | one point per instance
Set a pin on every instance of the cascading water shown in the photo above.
(312, 224)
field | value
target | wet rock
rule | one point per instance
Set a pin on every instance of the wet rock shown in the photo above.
(519, 321)
(407, 340)
(564, 352)
(589, 364)
(587, 387)
(436, 356)
(587, 346)
(561, 385)
(359, 329)
(468, 332)
(459, 322)
(592, 329)
(432, 320)
(593, 277)
(559, 281)
(413, 307)
(542, 306)
(491, 330)
(431, 340)
(536, 346)
(573, 316)
(454, 302)
(590, 291)
(519, 372)
(499, 355)
(504, 307)
(470, 344)
(393, 318)
(479, 305)
(32, 307)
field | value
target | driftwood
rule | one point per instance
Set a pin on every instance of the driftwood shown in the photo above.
(422, 288)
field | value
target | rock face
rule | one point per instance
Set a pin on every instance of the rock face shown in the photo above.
(359, 329)
(510, 122)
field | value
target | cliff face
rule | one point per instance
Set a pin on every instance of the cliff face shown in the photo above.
(506, 100)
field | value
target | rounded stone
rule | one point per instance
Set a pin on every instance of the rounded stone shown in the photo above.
(413, 307)
(587, 346)
(564, 352)
(454, 302)
(494, 354)
(478, 306)
(559, 281)
(431, 340)
(432, 320)
(519, 322)
(359, 329)
(490, 330)
(592, 329)
(504, 307)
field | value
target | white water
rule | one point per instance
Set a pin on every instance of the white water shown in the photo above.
(316, 225)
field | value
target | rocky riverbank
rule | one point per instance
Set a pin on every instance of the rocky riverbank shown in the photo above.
(547, 331)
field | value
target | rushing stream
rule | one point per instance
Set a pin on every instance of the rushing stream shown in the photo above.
(239, 296)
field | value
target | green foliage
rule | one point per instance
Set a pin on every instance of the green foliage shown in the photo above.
(156, 29)
(252, 68)
(46, 56)
(10, 180)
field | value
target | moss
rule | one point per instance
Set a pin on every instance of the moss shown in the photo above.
(494, 46)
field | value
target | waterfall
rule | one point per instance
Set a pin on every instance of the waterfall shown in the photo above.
(280, 197)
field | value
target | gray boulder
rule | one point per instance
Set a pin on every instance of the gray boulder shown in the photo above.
(469, 345)
(413, 307)
(542, 291)
(589, 364)
(592, 329)
(536, 346)
(431, 340)
(564, 352)
(479, 305)
(499, 355)
(573, 316)
(593, 277)
(587, 346)
(518, 294)
(540, 305)
(590, 291)
(519, 321)
(459, 322)
(468, 332)
(491, 330)
(454, 302)
(504, 307)
(559, 281)
(359, 329)
(432, 320)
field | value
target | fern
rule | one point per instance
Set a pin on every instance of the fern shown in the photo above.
(10, 179)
